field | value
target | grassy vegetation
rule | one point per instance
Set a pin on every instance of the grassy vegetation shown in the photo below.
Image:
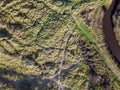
(89, 36)
(44, 43)
(84, 31)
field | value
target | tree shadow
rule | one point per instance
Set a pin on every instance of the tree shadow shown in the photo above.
(29, 82)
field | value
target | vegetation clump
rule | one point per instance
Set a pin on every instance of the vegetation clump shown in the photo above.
(52, 45)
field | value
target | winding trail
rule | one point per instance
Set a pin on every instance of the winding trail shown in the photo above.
(108, 31)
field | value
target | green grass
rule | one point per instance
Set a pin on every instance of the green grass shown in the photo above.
(83, 30)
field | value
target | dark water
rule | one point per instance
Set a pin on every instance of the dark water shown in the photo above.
(108, 30)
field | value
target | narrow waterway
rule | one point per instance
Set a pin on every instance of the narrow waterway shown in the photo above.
(109, 33)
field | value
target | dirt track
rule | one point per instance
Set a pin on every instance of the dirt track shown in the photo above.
(108, 31)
